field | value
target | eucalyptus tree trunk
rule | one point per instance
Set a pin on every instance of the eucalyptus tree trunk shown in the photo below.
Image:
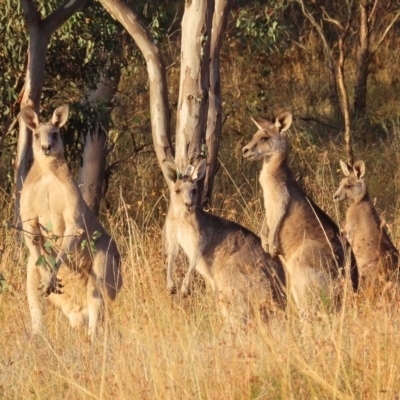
(202, 27)
(194, 82)
(214, 117)
(40, 31)
(92, 171)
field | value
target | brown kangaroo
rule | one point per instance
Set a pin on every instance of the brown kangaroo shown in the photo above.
(243, 277)
(73, 261)
(374, 252)
(294, 227)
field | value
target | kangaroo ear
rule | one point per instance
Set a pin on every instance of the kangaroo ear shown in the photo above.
(60, 116)
(283, 121)
(261, 123)
(345, 168)
(171, 171)
(200, 170)
(359, 169)
(30, 118)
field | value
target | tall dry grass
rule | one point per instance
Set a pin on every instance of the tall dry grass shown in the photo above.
(155, 346)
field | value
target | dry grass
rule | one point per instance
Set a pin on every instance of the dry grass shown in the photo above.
(158, 347)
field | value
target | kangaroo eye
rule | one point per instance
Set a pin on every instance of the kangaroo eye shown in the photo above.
(264, 139)
(194, 191)
(36, 136)
(177, 191)
(347, 186)
(55, 135)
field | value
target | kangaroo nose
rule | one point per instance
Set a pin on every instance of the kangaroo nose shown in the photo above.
(188, 206)
(245, 150)
(335, 197)
(46, 148)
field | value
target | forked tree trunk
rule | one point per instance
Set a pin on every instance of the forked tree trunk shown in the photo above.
(91, 173)
(40, 32)
(214, 117)
(196, 83)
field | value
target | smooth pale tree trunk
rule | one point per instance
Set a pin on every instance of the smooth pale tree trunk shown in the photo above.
(199, 80)
(194, 82)
(40, 31)
(159, 109)
(214, 117)
(92, 171)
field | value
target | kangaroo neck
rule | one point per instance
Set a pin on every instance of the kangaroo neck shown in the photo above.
(274, 163)
(363, 198)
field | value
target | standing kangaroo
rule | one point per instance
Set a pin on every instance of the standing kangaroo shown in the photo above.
(73, 261)
(373, 250)
(243, 277)
(294, 227)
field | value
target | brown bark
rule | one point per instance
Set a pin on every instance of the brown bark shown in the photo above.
(159, 110)
(92, 172)
(214, 117)
(40, 32)
(194, 84)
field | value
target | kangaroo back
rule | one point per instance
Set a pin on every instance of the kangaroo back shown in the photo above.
(294, 227)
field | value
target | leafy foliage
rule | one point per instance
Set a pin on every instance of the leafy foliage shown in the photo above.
(260, 26)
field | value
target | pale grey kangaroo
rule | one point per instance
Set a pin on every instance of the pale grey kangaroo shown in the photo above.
(294, 227)
(374, 252)
(73, 261)
(243, 277)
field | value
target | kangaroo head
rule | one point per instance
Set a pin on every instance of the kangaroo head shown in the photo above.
(47, 142)
(270, 139)
(353, 186)
(184, 187)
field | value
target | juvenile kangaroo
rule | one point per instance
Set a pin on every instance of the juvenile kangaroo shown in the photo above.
(374, 252)
(294, 227)
(73, 261)
(242, 276)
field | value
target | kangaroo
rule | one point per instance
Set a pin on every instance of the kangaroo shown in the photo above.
(374, 252)
(294, 227)
(242, 276)
(72, 261)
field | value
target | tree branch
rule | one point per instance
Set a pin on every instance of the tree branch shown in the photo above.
(53, 21)
(159, 109)
(328, 18)
(388, 28)
(372, 11)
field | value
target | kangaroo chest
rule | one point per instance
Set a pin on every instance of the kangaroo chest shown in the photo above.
(188, 239)
(274, 192)
(47, 201)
